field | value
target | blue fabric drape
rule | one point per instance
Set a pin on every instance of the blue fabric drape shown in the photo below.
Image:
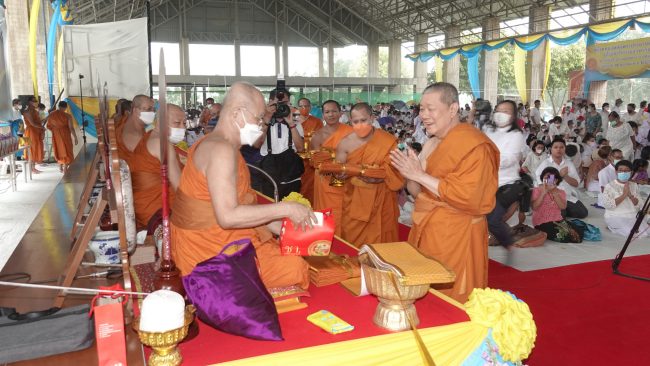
(568, 40)
(472, 71)
(76, 113)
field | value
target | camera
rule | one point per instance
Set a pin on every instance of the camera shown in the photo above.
(282, 108)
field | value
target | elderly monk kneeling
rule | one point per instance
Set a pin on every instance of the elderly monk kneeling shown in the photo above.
(215, 204)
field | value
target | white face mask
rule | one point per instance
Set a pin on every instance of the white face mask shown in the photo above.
(249, 133)
(501, 119)
(176, 135)
(147, 117)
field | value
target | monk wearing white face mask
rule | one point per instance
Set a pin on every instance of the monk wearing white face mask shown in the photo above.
(145, 167)
(215, 204)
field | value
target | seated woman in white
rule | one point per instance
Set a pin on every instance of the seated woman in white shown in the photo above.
(621, 202)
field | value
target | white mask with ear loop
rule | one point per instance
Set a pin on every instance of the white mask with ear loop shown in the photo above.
(249, 133)
(147, 117)
(176, 135)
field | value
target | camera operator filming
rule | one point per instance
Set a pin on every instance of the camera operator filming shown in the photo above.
(281, 139)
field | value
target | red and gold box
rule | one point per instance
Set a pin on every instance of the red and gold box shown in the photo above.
(315, 241)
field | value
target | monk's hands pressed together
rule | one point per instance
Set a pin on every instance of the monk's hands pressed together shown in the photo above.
(407, 163)
(302, 216)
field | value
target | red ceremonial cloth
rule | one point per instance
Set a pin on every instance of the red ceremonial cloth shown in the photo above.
(213, 346)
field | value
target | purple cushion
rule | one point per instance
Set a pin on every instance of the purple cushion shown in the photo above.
(230, 296)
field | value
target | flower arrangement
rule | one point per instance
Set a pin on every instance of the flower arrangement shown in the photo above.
(297, 197)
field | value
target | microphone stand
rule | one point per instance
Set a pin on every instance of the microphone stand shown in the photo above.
(83, 116)
(617, 261)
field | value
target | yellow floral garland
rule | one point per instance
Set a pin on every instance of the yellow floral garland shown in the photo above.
(513, 327)
(297, 197)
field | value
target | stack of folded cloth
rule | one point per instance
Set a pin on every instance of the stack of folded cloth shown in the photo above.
(324, 271)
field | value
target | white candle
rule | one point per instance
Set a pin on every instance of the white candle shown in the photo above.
(162, 310)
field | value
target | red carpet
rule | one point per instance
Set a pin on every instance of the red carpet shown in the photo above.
(585, 315)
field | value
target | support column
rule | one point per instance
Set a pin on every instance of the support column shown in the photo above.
(395, 65)
(18, 41)
(599, 10)
(237, 43)
(321, 63)
(452, 67)
(330, 60)
(536, 67)
(184, 48)
(419, 67)
(490, 60)
(373, 60)
(285, 57)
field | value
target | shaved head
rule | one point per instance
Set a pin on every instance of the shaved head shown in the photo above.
(242, 94)
(176, 116)
(140, 100)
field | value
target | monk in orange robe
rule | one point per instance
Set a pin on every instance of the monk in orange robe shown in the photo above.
(60, 123)
(36, 133)
(326, 140)
(215, 204)
(310, 124)
(205, 113)
(455, 186)
(144, 165)
(370, 208)
(129, 133)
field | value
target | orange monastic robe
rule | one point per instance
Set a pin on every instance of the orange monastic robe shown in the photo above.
(326, 196)
(370, 210)
(61, 137)
(196, 235)
(452, 227)
(147, 183)
(311, 125)
(36, 149)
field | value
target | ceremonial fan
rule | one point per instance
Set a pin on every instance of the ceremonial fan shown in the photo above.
(168, 277)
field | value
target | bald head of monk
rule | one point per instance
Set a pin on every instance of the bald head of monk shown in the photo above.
(175, 116)
(215, 110)
(331, 112)
(242, 115)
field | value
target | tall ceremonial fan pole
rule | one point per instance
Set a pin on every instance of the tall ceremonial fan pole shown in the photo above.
(168, 277)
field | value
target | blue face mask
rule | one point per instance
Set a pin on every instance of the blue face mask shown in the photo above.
(623, 176)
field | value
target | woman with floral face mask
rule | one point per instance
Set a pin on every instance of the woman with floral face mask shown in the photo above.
(621, 202)
(506, 134)
(620, 136)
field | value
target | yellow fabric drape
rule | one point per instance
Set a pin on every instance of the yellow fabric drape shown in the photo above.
(91, 106)
(608, 27)
(33, 29)
(59, 61)
(438, 69)
(448, 345)
(529, 39)
(547, 72)
(449, 51)
(520, 73)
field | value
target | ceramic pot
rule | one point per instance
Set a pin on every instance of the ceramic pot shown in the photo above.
(105, 245)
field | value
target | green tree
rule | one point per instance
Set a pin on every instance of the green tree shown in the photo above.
(506, 81)
(564, 60)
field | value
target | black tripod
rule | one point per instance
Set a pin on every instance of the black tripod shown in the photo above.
(617, 261)
(83, 116)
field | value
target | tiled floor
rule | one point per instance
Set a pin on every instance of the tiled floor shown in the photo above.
(18, 209)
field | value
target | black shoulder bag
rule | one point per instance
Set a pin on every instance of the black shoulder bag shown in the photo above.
(286, 168)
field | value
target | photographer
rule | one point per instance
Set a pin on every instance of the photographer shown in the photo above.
(480, 113)
(282, 137)
(514, 189)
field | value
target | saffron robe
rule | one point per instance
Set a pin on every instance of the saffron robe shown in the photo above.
(311, 125)
(36, 149)
(370, 210)
(61, 137)
(452, 227)
(147, 183)
(326, 196)
(197, 236)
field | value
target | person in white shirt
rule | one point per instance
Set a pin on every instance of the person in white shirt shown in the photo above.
(534, 158)
(535, 115)
(558, 129)
(621, 202)
(617, 105)
(570, 179)
(506, 134)
(284, 133)
(632, 115)
(608, 173)
(604, 117)
(419, 134)
(621, 136)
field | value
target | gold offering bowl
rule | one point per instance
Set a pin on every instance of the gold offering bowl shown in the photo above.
(336, 182)
(394, 307)
(164, 344)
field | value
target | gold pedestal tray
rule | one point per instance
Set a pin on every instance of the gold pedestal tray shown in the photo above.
(164, 344)
(394, 308)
